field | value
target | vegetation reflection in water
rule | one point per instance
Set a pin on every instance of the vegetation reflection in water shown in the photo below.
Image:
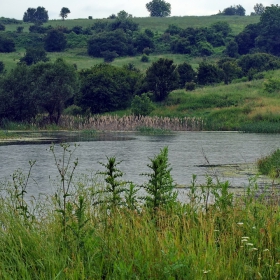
(81, 232)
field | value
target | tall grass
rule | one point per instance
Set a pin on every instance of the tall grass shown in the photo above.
(229, 238)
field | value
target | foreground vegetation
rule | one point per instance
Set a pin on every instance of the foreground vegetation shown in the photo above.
(94, 230)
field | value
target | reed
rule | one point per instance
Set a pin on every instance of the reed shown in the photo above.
(131, 123)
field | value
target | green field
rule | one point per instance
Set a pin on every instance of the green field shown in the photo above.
(237, 23)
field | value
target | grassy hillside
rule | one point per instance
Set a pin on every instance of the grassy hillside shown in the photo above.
(237, 23)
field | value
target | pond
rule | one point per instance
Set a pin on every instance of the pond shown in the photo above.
(229, 155)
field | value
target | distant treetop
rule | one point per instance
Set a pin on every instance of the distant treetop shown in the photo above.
(37, 16)
(237, 10)
(159, 8)
(64, 13)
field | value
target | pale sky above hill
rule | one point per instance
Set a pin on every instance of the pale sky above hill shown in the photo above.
(102, 9)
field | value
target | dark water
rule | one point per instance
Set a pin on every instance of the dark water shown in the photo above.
(189, 152)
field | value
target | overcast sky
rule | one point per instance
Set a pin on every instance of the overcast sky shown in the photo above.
(102, 9)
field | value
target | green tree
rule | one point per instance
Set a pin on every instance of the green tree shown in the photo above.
(186, 74)
(114, 41)
(230, 69)
(232, 49)
(246, 40)
(142, 105)
(55, 41)
(2, 27)
(122, 15)
(159, 8)
(17, 101)
(259, 9)
(38, 16)
(237, 10)
(208, 74)
(160, 187)
(34, 55)
(106, 88)
(64, 13)
(54, 84)
(7, 44)
(161, 78)
(269, 34)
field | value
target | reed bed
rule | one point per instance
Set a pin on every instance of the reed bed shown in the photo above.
(131, 123)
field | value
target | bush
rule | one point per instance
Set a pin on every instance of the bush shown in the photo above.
(2, 67)
(6, 44)
(270, 165)
(142, 105)
(189, 86)
(145, 58)
(89, 17)
(73, 110)
(55, 41)
(2, 27)
(20, 29)
(272, 86)
(109, 56)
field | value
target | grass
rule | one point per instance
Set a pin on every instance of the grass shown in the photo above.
(157, 24)
(270, 165)
(230, 238)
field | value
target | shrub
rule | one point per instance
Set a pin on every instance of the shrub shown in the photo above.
(160, 187)
(142, 105)
(272, 85)
(73, 110)
(89, 17)
(55, 41)
(190, 86)
(270, 165)
(20, 29)
(109, 56)
(2, 27)
(6, 44)
(145, 58)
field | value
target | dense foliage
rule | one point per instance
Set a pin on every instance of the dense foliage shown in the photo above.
(159, 8)
(107, 88)
(37, 15)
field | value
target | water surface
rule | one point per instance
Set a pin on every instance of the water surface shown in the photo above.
(189, 153)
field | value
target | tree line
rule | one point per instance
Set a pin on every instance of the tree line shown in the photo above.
(50, 87)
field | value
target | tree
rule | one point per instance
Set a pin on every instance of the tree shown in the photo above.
(230, 68)
(186, 74)
(64, 13)
(54, 84)
(2, 27)
(114, 41)
(209, 74)
(237, 10)
(161, 78)
(259, 9)
(55, 41)
(106, 88)
(142, 105)
(37, 16)
(232, 49)
(34, 55)
(269, 32)
(159, 8)
(7, 44)
(123, 15)
(17, 102)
